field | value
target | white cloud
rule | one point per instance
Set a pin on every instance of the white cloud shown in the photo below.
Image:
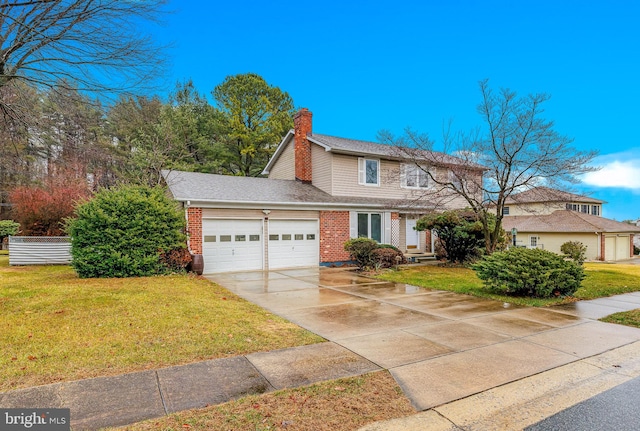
(618, 170)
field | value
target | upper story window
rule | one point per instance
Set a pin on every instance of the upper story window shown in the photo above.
(505, 210)
(584, 209)
(595, 210)
(572, 207)
(415, 177)
(368, 171)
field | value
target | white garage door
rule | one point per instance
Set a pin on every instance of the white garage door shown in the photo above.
(293, 243)
(232, 245)
(609, 248)
(622, 247)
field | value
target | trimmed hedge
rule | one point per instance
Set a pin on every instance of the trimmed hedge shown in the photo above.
(529, 272)
(126, 232)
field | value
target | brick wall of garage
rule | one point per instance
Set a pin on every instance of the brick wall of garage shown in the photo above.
(334, 232)
(194, 229)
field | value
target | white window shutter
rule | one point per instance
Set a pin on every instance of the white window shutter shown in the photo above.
(353, 224)
(386, 237)
(361, 170)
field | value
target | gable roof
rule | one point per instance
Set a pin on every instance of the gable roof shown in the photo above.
(359, 148)
(566, 221)
(212, 189)
(546, 194)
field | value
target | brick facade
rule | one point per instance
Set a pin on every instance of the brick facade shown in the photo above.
(334, 232)
(302, 146)
(194, 230)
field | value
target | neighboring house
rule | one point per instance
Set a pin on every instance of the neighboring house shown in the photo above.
(544, 200)
(547, 218)
(320, 192)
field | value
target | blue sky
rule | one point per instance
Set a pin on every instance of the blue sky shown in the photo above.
(363, 66)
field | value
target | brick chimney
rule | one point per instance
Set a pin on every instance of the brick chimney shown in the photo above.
(302, 147)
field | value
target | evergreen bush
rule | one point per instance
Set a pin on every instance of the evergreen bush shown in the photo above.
(575, 250)
(8, 228)
(123, 232)
(529, 272)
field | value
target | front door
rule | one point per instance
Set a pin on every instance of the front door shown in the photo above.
(413, 236)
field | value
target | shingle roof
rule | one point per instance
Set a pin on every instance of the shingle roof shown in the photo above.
(546, 194)
(213, 188)
(366, 148)
(566, 221)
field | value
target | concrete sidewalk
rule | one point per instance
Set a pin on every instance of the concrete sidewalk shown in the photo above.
(125, 399)
(448, 352)
(528, 401)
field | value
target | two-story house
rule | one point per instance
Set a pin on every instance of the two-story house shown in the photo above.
(547, 218)
(320, 191)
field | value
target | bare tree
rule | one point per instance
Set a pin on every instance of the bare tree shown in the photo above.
(515, 150)
(96, 45)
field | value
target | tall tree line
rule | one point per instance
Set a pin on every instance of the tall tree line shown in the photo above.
(73, 136)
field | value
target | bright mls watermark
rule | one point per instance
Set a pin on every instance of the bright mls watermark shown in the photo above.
(35, 419)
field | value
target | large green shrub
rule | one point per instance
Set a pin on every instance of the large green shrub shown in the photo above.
(529, 272)
(575, 250)
(459, 234)
(123, 232)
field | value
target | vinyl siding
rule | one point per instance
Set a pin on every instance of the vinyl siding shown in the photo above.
(553, 241)
(345, 180)
(344, 176)
(534, 208)
(284, 168)
(539, 208)
(321, 168)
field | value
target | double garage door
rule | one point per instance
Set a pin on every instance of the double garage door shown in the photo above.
(243, 245)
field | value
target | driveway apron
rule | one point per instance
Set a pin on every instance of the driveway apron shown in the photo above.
(439, 346)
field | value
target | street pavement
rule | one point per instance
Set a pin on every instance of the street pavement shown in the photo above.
(613, 410)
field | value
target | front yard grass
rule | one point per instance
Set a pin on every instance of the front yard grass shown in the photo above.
(57, 327)
(337, 405)
(602, 280)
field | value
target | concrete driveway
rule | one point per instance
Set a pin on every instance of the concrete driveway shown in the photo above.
(439, 346)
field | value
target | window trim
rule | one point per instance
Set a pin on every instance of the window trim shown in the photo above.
(370, 224)
(362, 171)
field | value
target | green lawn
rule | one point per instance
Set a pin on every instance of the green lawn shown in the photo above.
(55, 326)
(602, 280)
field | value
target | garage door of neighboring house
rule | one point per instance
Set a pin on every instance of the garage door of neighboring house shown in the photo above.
(610, 247)
(293, 243)
(232, 245)
(616, 247)
(622, 247)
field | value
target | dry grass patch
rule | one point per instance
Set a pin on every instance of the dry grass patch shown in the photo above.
(337, 405)
(55, 326)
